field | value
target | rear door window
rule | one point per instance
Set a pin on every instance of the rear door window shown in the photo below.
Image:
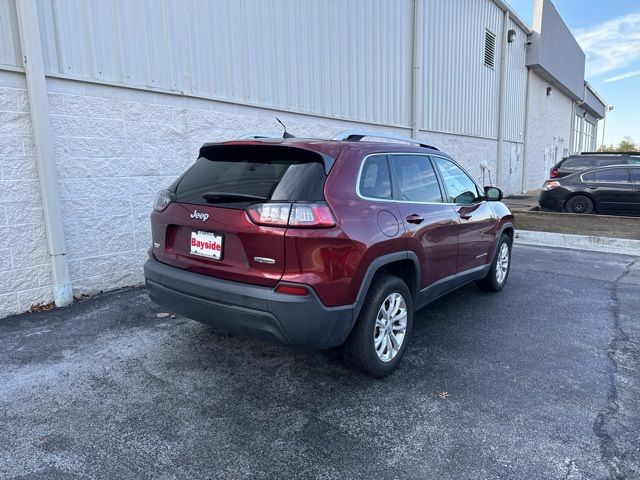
(634, 161)
(635, 175)
(375, 179)
(417, 180)
(612, 175)
(238, 178)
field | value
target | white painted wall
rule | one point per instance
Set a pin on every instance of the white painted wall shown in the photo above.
(25, 272)
(549, 131)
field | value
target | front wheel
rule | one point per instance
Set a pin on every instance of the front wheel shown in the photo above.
(380, 336)
(495, 280)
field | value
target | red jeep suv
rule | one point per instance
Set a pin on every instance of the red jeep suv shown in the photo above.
(322, 243)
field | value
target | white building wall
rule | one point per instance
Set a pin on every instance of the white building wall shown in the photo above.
(25, 271)
(550, 124)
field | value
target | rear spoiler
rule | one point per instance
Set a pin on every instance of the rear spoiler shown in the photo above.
(231, 151)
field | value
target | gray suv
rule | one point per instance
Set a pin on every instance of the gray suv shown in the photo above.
(577, 163)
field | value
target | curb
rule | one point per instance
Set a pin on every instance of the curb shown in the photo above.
(579, 242)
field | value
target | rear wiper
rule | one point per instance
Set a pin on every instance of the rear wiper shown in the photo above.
(229, 197)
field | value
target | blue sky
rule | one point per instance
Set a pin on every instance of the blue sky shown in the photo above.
(609, 34)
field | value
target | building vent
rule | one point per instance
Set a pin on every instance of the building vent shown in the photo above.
(489, 49)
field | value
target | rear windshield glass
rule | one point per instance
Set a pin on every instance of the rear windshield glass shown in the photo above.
(243, 177)
(578, 163)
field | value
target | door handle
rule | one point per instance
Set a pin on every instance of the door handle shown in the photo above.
(415, 218)
(464, 215)
(592, 187)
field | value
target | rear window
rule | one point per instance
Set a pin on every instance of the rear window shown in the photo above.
(237, 177)
(607, 162)
(578, 163)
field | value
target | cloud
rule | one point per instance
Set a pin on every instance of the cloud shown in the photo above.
(611, 45)
(624, 76)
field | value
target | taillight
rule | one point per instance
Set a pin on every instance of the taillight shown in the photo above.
(298, 215)
(550, 186)
(275, 214)
(553, 173)
(163, 200)
(292, 290)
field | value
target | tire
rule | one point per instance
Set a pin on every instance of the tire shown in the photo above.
(496, 279)
(579, 204)
(360, 348)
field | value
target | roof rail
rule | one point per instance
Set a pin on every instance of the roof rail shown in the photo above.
(250, 136)
(357, 135)
(610, 153)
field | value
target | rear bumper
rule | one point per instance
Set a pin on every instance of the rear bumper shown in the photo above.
(248, 309)
(552, 199)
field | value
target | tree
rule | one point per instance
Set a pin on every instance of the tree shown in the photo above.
(626, 145)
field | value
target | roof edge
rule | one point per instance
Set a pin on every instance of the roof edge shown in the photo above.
(504, 6)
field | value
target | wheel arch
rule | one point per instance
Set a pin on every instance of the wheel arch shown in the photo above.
(404, 265)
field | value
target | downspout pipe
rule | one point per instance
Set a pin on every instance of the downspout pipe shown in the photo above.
(415, 72)
(32, 57)
(501, 95)
(525, 154)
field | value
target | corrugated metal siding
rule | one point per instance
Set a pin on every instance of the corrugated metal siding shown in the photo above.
(460, 92)
(335, 58)
(516, 86)
(9, 36)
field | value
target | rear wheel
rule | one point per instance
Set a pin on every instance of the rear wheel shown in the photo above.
(495, 280)
(579, 204)
(379, 338)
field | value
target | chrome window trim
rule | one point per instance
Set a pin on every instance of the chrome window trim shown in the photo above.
(391, 200)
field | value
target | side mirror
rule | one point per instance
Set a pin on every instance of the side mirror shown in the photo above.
(493, 194)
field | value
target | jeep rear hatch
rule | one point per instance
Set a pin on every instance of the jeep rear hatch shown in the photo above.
(227, 215)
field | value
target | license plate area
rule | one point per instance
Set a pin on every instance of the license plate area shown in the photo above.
(206, 244)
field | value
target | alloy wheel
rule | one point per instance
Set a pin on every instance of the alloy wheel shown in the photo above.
(502, 265)
(390, 327)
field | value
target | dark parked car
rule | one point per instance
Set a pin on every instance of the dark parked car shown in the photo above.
(578, 163)
(603, 190)
(319, 243)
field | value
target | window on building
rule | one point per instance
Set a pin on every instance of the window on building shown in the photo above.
(589, 140)
(489, 49)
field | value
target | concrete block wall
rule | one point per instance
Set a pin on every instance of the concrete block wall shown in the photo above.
(115, 148)
(549, 131)
(25, 272)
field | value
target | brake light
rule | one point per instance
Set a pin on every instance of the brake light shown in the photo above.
(292, 290)
(553, 173)
(550, 186)
(275, 214)
(298, 215)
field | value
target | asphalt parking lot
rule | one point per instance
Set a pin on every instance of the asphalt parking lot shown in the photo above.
(543, 381)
